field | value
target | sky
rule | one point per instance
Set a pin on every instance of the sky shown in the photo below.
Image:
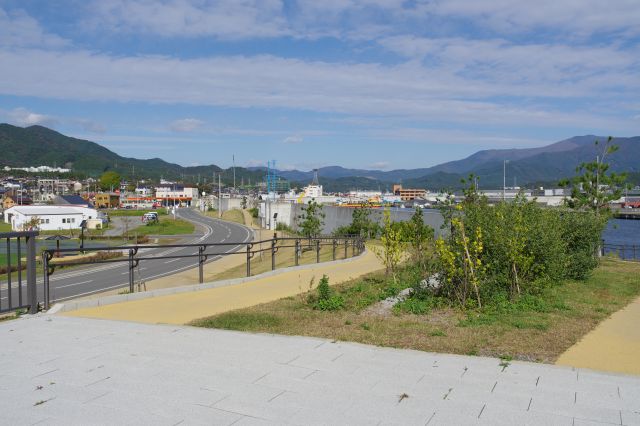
(374, 84)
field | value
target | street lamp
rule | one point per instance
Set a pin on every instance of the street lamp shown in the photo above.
(504, 179)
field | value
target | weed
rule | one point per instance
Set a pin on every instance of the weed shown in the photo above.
(327, 300)
(365, 326)
(347, 322)
(439, 333)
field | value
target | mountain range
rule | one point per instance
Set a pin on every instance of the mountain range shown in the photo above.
(38, 145)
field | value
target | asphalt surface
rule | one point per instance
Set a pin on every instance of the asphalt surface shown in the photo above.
(67, 284)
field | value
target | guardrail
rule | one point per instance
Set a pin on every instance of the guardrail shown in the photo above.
(623, 251)
(133, 255)
(20, 291)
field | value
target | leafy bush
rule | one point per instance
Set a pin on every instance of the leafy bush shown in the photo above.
(254, 212)
(500, 253)
(327, 299)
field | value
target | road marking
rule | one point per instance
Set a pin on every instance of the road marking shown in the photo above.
(230, 250)
(72, 285)
(171, 261)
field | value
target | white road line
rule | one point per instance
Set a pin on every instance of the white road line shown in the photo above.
(171, 261)
(75, 284)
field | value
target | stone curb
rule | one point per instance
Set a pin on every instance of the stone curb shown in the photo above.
(119, 298)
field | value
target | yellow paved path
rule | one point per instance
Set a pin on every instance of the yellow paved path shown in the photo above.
(185, 307)
(614, 345)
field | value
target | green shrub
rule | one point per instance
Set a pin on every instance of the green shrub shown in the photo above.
(327, 300)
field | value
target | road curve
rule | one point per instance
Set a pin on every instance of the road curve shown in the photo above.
(91, 279)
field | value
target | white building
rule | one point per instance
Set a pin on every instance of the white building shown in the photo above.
(49, 218)
(313, 191)
(169, 195)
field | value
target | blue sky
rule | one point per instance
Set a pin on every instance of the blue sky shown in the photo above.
(382, 84)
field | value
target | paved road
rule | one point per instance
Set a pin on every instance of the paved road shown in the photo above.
(92, 279)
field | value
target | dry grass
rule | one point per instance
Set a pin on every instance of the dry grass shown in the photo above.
(536, 329)
(233, 215)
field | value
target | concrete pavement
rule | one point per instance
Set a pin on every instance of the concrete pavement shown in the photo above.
(68, 371)
(181, 308)
(614, 345)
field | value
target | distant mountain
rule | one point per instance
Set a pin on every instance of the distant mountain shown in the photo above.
(525, 166)
(38, 145)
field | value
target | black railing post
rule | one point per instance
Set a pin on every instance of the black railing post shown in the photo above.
(346, 245)
(318, 251)
(297, 253)
(353, 248)
(9, 272)
(131, 266)
(334, 243)
(200, 265)
(45, 283)
(273, 253)
(32, 294)
(19, 249)
(248, 260)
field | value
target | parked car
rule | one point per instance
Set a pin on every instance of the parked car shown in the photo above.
(150, 217)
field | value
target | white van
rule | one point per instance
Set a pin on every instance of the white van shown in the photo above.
(150, 217)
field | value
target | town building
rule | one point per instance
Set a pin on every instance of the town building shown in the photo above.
(314, 190)
(48, 218)
(409, 194)
(105, 200)
(170, 195)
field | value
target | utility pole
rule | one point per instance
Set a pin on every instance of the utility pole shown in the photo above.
(234, 171)
(219, 197)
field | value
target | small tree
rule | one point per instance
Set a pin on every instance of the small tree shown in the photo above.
(243, 203)
(420, 237)
(32, 224)
(393, 245)
(109, 180)
(594, 187)
(311, 220)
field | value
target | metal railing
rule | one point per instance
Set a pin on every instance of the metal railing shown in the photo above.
(623, 251)
(132, 255)
(19, 291)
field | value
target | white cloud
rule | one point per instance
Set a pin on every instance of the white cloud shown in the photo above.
(294, 139)
(576, 17)
(226, 19)
(450, 91)
(380, 165)
(24, 117)
(19, 29)
(186, 125)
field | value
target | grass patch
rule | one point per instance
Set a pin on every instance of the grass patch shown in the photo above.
(165, 226)
(233, 215)
(536, 328)
(5, 227)
(236, 320)
(132, 212)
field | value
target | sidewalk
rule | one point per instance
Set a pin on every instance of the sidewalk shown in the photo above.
(183, 308)
(614, 345)
(67, 371)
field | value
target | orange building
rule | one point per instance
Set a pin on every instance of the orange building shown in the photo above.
(409, 194)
